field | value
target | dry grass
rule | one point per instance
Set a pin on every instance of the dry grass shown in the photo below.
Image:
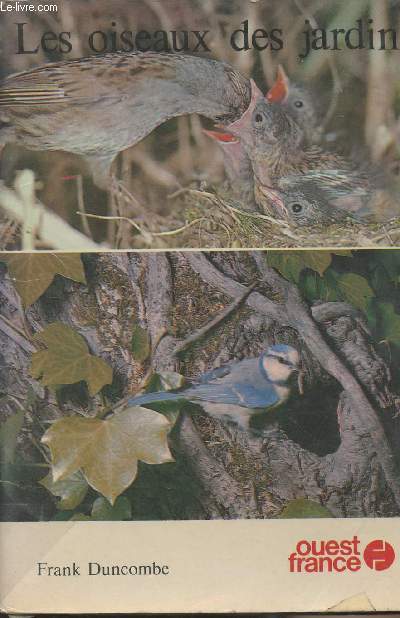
(356, 94)
(211, 220)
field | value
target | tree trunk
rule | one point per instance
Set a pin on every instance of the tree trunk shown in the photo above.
(334, 445)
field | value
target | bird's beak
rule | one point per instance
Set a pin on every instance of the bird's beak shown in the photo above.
(300, 382)
(275, 198)
(221, 136)
(240, 128)
(279, 92)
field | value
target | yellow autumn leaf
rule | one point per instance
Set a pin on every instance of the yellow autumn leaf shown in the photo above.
(108, 451)
(291, 264)
(32, 273)
(67, 360)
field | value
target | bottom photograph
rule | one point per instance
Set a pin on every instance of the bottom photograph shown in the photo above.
(199, 385)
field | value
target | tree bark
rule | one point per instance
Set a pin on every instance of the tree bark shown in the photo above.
(335, 444)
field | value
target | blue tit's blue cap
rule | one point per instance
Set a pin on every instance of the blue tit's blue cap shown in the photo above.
(281, 348)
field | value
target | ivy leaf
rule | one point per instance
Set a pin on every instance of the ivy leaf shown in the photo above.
(290, 264)
(389, 323)
(103, 511)
(32, 273)
(302, 508)
(71, 490)
(390, 260)
(9, 431)
(316, 260)
(166, 381)
(323, 288)
(356, 290)
(140, 344)
(107, 451)
(67, 360)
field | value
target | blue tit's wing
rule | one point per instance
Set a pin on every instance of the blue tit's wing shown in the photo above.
(239, 384)
(243, 394)
(211, 375)
(149, 398)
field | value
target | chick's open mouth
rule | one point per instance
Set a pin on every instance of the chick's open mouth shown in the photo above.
(220, 134)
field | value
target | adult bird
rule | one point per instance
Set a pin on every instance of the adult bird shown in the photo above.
(98, 106)
(239, 390)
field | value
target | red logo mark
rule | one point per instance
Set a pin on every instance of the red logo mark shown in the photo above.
(379, 555)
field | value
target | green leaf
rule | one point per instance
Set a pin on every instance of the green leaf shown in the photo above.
(356, 290)
(290, 264)
(67, 360)
(314, 287)
(62, 516)
(9, 431)
(389, 323)
(107, 451)
(32, 273)
(165, 381)
(71, 490)
(302, 508)
(103, 511)
(140, 344)
(316, 260)
(390, 261)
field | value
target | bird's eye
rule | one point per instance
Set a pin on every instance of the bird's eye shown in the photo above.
(298, 104)
(258, 118)
(296, 208)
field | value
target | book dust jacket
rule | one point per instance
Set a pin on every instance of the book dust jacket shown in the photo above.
(199, 306)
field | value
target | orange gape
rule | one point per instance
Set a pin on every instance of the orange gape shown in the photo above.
(278, 93)
(226, 138)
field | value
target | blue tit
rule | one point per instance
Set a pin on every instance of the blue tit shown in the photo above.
(239, 390)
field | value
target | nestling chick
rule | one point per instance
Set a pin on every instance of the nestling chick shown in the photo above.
(239, 390)
(297, 102)
(303, 202)
(277, 148)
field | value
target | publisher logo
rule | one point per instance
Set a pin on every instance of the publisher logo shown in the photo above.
(339, 556)
(379, 555)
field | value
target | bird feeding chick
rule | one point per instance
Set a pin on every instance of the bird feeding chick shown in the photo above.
(296, 102)
(242, 389)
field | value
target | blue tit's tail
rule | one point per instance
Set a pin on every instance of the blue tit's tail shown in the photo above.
(149, 398)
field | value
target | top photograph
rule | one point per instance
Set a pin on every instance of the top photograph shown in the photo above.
(180, 124)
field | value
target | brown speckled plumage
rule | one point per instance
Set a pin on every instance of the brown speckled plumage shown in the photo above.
(98, 106)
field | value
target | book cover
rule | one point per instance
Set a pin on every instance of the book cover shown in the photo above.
(199, 306)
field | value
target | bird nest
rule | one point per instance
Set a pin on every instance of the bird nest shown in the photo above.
(194, 218)
(214, 220)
